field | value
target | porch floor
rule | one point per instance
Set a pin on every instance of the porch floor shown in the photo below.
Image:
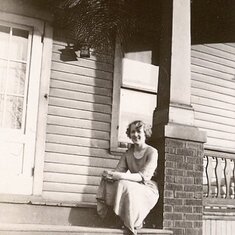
(37, 229)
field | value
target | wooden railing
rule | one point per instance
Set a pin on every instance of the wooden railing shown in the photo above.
(219, 176)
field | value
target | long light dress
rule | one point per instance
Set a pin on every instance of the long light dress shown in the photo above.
(130, 200)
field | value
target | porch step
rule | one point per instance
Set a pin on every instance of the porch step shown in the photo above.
(36, 229)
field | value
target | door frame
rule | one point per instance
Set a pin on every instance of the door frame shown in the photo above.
(45, 32)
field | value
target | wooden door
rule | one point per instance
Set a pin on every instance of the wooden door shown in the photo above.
(20, 65)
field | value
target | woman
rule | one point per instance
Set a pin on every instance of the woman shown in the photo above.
(130, 189)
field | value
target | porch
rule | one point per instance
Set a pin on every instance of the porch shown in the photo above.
(218, 192)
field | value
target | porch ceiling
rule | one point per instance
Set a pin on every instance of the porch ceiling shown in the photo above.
(213, 21)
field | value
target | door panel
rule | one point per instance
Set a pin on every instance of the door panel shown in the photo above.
(20, 59)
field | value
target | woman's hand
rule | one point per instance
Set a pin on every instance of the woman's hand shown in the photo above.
(112, 175)
(108, 175)
(117, 175)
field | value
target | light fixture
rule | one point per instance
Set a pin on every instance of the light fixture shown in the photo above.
(85, 51)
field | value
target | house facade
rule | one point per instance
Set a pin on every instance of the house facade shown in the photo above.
(62, 121)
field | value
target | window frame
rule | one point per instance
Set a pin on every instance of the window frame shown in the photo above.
(44, 33)
(117, 86)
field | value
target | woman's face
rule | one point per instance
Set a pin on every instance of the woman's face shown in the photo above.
(137, 134)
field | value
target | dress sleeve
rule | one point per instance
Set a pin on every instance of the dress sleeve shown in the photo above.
(148, 170)
(122, 165)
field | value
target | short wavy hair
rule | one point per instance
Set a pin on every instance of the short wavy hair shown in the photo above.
(139, 124)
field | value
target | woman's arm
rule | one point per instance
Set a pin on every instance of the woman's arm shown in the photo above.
(126, 176)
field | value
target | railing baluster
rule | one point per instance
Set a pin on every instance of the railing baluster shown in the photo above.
(227, 173)
(209, 174)
(219, 177)
(232, 187)
(205, 176)
(218, 171)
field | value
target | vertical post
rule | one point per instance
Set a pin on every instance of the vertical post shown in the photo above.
(179, 142)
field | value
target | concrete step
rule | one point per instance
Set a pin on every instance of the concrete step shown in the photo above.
(37, 229)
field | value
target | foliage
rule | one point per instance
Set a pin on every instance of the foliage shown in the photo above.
(97, 22)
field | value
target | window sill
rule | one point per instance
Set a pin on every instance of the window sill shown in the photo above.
(117, 151)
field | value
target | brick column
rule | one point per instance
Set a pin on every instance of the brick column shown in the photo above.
(179, 142)
(182, 198)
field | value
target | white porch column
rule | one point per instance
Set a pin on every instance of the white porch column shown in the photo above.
(175, 78)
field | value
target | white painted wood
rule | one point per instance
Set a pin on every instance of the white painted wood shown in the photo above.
(79, 132)
(104, 58)
(78, 126)
(215, 126)
(81, 96)
(213, 96)
(73, 169)
(211, 72)
(213, 58)
(223, 47)
(81, 70)
(77, 141)
(207, 79)
(117, 73)
(43, 110)
(206, 49)
(81, 123)
(94, 64)
(215, 111)
(70, 178)
(212, 65)
(78, 150)
(69, 197)
(81, 79)
(80, 160)
(68, 188)
(69, 115)
(82, 105)
(72, 86)
(222, 105)
(214, 118)
(228, 91)
(22, 153)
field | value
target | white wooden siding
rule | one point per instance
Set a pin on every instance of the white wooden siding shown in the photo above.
(78, 127)
(213, 93)
(218, 226)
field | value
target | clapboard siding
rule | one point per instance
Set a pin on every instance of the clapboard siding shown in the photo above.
(75, 122)
(82, 105)
(222, 105)
(77, 150)
(58, 45)
(218, 226)
(69, 197)
(73, 169)
(79, 160)
(74, 95)
(75, 80)
(56, 187)
(213, 93)
(70, 178)
(69, 86)
(59, 113)
(78, 126)
(81, 132)
(77, 141)
(57, 66)
(85, 63)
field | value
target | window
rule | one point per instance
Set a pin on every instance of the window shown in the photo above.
(134, 93)
(14, 69)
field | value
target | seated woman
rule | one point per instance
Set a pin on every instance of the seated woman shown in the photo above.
(130, 189)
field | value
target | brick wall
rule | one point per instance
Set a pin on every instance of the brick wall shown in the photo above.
(182, 195)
